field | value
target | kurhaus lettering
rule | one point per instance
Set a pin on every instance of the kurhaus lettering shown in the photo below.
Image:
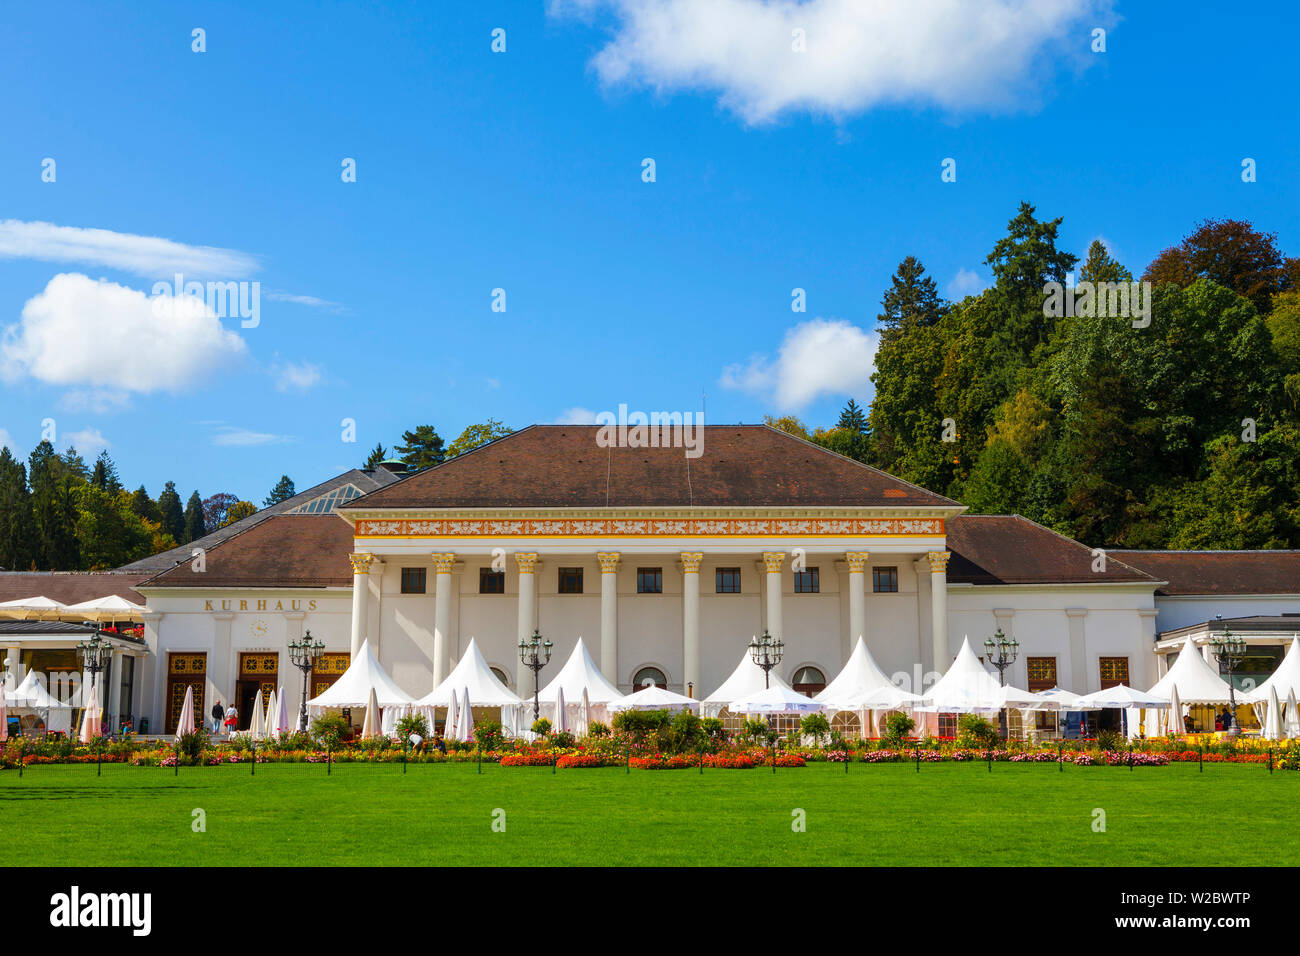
(258, 604)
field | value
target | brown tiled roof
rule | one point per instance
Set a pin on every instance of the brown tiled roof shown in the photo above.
(561, 466)
(1011, 549)
(70, 587)
(1219, 572)
(292, 551)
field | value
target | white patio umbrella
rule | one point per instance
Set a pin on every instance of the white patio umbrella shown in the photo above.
(449, 723)
(4, 715)
(185, 722)
(1122, 696)
(370, 726)
(110, 608)
(583, 725)
(257, 720)
(90, 718)
(1067, 700)
(466, 718)
(1173, 717)
(272, 712)
(31, 609)
(561, 714)
(1291, 725)
(282, 719)
(1273, 720)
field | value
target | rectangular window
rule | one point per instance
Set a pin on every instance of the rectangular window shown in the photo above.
(649, 580)
(884, 580)
(807, 582)
(491, 582)
(1113, 670)
(948, 725)
(570, 580)
(413, 580)
(1042, 673)
(728, 580)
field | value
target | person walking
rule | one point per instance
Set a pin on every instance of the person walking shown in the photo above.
(218, 714)
(232, 718)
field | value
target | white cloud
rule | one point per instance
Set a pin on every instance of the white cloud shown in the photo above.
(228, 436)
(88, 441)
(295, 376)
(965, 282)
(7, 441)
(817, 357)
(148, 256)
(577, 416)
(102, 401)
(79, 331)
(953, 54)
(308, 300)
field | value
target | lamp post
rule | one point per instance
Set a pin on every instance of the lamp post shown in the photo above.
(1006, 652)
(766, 652)
(535, 653)
(1231, 651)
(304, 655)
(95, 654)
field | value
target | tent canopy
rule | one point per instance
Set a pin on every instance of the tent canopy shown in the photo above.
(776, 700)
(353, 688)
(578, 673)
(888, 697)
(1121, 695)
(473, 673)
(859, 675)
(1067, 700)
(1285, 680)
(1196, 681)
(966, 688)
(656, 698)
(31, 694)
(746, 679)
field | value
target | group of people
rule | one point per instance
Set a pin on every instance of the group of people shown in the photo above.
(224, 718)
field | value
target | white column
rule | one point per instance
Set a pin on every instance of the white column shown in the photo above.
(1078, 651)
(527, 561)
(772, 561)
(939, 608)
(609, 561)
(443, 565)
(857, 561)
(114, 697)
(691, 621)
(360, 598)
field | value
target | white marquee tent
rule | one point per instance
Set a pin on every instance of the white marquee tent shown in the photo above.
(472, 673)
(746, 679)
(352, 689)
(579, 673)
(777, 699)
(859, 675)
(966, 688)
(1194, 681)
(1285, 680)
(655, 697)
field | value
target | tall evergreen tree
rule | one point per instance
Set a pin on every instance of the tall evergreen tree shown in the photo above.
(17, 543)
(104, 475)
(378, 453)
(173, 515)
(282, 491)
(54, 509)
(421, 448)
(194, 527)
(145, 507)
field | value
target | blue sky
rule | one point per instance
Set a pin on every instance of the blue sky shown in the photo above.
(522, 170)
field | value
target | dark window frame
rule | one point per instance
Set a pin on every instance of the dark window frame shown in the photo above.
(411, 577)
(808, 576)
(722, 578)
(487, 574)
(886, 574)
(569, 581)
(654, 576)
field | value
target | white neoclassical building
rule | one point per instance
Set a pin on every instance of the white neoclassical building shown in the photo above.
(666, 566)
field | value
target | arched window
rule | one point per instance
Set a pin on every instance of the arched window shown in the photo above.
(809, 680)
(501, 675)
(647, 676)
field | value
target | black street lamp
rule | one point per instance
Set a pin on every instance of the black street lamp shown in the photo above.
(304, 655)
(1231, 651)
(535, 653)
(1006, 652)
(766, 652)
(95, 654)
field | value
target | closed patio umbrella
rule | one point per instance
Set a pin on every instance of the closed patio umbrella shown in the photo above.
(272, 712)
(449, 724)
(370, 727)
(1173, 717)
(561, 718)
(90, 719)
(4, 715)
(466, 718)
(584, 716)
(185, 722)
(1291, 723)
(257, 720)
(1273, 719)
(282, 722)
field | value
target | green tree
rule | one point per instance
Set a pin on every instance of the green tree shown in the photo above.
(173, 515)
(104, 475)
(216, 507)
(282, 491)
(1230, 253)
(194, 527)
(109, 533)
(145, 507)
(238, 512)
(53, 481)
(421, 448)
(17, 544)
(477, 435)
(378, 454)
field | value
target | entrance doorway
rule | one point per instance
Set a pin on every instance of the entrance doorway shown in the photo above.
(258, 671)
(186, 670)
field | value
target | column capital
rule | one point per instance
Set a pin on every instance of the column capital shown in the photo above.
(938, 561)
(526, 560)
(857, 561)
(773, 560)
(609, 561)
(691, 561)
(444, 562)
(361, 562)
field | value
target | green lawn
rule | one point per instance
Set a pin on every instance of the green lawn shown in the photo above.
(442, 815)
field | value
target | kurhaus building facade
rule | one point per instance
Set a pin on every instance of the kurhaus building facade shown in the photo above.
(666, 566)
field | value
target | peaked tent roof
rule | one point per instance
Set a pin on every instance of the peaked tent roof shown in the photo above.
(740, 465)
(859, 675)
(32, 693)
(746, 679)
(472, 672)
(1284, 680)
(655, 697)
(353, 688)
(579, 672)
(1196, 681)
(966, 688)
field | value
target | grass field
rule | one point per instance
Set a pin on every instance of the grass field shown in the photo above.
(442, 815)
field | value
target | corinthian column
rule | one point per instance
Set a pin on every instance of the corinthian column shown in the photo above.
(527, 561)
(442, 564)
(360, 597)
(691, 618)
(857, 561)
(772, 562)
(939, 607)
(609, 614)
